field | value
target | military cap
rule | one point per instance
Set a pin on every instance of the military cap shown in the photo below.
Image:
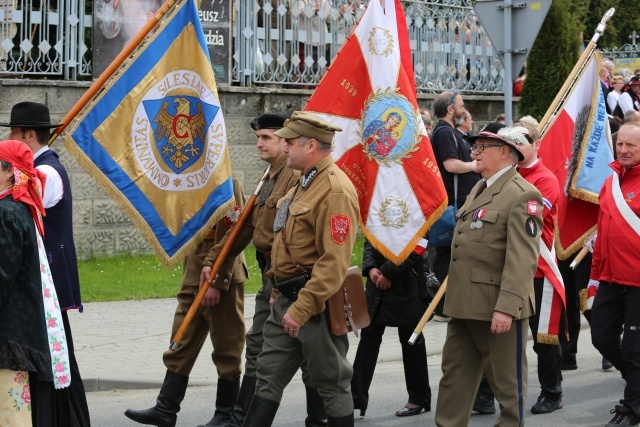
(512, 136)
(269, 121)
(308, 125)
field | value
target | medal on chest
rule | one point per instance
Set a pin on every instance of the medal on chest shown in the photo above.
(281, 216)
(476, 218)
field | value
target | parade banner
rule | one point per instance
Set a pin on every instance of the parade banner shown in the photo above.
(577, 148)
(154, 138)
(369, 91)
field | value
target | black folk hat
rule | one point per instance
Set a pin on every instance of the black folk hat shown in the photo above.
(30, 115)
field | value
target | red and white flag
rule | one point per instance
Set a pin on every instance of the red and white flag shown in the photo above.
(369, 91)
(577, 149)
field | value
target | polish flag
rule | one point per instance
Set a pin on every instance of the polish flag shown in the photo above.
(577, 148)
(369, 91)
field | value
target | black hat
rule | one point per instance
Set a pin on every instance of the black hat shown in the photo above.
(31, 115)
(503, 133)
(269, 121)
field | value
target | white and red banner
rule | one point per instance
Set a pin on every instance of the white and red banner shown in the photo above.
(553, 297)
(577, 149)
(369, 91)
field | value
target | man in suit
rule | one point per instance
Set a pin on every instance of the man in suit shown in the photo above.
(494, 254)
(31, 123)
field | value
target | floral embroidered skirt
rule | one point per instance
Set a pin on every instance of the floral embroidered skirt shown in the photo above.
(15, 399)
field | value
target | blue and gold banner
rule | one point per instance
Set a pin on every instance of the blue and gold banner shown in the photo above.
(154, 138)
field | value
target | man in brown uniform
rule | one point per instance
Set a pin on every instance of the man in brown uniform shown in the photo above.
(315, 231)
(260, 229)
(221, 316)
(494, 255)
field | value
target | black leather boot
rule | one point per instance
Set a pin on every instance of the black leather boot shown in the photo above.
(346, 421)
(225, 399)
(247, 390)
(261, 412)
(167, 405)
(316, 417)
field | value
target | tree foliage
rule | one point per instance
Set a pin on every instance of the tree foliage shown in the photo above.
(553, 55)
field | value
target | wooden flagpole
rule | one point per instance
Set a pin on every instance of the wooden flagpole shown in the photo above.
(551, 113)
(111, 69)
(222, 256)
(427, 314)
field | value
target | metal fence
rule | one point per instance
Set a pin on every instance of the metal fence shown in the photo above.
(281, 43)
(44, 38)
(290, 43)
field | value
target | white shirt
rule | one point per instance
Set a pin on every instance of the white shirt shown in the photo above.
(53, 188)
(612, 100)
(493, 178)
(625, 102)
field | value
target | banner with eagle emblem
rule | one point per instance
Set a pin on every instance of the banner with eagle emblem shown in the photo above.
(577, 148)
(369, 91)
(154, 138)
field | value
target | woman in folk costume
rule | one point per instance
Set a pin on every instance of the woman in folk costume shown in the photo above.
(33, 356)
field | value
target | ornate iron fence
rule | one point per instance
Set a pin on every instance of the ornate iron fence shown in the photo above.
(284, 43)
(628, 54)
(291, 42)
(45, 38)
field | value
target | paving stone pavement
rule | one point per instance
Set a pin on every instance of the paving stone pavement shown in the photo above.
(119, 345)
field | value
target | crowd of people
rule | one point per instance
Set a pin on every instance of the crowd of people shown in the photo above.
(303, 225)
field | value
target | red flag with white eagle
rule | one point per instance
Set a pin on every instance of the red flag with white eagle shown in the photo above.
(577, 148)
(369, 91)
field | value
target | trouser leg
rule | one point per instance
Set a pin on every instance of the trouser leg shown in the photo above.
(461, 372)
(608, 316)
(364, 364)
(254, 335)
(77, 394)
(549, 355)
(416, 371)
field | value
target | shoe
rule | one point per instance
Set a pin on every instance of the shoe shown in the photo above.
(362, 412)
(569, 365)
(623, 417)
(408, 412)
(439, 318)
(168, 402)
(484, 405)
(545, 405)
(606, 365)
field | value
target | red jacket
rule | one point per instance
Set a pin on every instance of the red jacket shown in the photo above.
(616, 254)
(546, 182)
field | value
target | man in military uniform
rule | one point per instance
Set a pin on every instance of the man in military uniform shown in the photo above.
(315, 232)
(221, 316)
(260, 229)
(494, 255)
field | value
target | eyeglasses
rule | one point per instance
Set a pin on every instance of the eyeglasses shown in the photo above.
(479, 148)
(453, 98)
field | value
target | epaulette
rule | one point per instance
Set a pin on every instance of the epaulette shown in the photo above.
(334, 179)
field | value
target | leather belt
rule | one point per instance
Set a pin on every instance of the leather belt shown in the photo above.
(290, 287)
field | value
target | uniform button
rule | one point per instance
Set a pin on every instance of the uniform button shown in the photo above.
(459, 231)
(456, 245)
(226, 280)
(491, 279)
(455, 258)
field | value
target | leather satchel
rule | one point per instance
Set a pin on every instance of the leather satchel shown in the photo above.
(347, 309)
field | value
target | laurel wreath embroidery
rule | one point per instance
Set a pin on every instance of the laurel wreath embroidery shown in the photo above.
(383, 209)
(372, 45)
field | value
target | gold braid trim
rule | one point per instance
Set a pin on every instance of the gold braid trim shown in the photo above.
(583, 300)
(547, 339)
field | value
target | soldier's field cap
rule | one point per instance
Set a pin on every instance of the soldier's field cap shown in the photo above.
(308, 125)
(269, 121)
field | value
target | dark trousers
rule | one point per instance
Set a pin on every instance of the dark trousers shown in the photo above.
(574, 281)
(414, 360)
(441, 270)
(615, 309)
(549, 355)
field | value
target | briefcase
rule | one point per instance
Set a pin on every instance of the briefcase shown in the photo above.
(347, 309)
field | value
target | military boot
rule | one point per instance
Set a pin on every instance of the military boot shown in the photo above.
(316, 417)
(346, 421)
(247, 390)
(225, 399)
(168, 402)
(261, 412)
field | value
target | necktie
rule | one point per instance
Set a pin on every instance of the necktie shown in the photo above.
(482, 188)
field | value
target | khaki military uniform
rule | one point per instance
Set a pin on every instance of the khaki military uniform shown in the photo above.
(492, 269)
(260, 229)
(224, 322)
(320, 230)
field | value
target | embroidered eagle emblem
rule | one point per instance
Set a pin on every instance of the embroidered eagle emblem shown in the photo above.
(181, 130)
